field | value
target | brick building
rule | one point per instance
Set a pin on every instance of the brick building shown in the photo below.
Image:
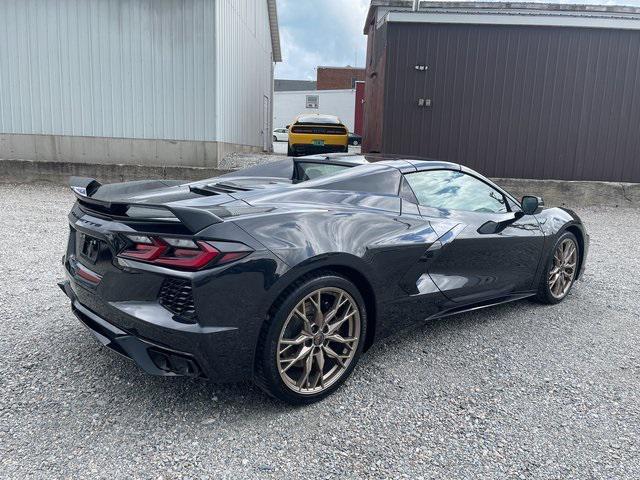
(339, 78)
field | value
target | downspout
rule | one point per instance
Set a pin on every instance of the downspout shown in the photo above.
(416, 5)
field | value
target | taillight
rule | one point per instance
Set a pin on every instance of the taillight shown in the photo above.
(182, 253)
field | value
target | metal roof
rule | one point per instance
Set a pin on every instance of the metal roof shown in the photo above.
(275, 31)
(503, 13)
(284, 85)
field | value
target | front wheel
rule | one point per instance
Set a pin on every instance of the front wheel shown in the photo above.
(313, 340)
(561, 270)
(275, 139)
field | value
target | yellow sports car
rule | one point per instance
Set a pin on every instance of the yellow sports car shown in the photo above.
(312, 133)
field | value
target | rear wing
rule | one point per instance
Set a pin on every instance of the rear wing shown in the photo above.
(194, 219)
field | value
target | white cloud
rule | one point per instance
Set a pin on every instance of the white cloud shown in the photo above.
(329, 32)
(320, 32)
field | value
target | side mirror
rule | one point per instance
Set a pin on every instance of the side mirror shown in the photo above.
(531, 204)
(287, 127)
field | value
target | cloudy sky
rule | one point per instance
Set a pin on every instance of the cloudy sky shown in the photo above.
(320, 32)
(329, 32)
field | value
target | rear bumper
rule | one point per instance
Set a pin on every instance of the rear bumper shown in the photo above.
(152, 358)
(211, 317)
(309, 149)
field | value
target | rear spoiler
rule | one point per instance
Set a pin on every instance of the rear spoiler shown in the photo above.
(194, 219)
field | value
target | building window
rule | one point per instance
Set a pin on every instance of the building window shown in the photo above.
(313, 101)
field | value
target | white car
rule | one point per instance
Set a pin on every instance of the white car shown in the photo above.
(280, 135)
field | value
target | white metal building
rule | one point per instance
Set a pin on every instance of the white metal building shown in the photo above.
(288, 105)
(150, 82)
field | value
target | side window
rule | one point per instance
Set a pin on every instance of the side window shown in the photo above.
(452, 190)
(309, 171)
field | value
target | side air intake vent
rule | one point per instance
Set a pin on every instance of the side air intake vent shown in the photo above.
(176, 295)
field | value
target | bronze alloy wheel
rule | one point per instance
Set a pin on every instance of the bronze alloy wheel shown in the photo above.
(318, 340)
(563, 270)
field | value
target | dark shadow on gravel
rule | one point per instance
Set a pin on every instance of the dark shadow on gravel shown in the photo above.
(199, 399)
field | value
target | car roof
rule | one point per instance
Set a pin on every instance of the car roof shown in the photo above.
(405, 163)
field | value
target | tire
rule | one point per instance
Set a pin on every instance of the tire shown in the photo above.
(565, 265)
(291, 372)
(275, 139)
(290, 151)
(355, 143)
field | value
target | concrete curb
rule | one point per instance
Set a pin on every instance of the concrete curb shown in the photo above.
(575, 193)
(26, 171)
(554, 192)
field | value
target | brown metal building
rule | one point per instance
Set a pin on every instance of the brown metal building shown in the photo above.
(514, 90)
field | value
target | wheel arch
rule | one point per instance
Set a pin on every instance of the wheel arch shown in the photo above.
(579, 234)
(339, 265)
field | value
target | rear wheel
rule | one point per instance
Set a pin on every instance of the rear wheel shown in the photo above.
(289, 151)
(313, 340)
(275, 139)
(560, 271)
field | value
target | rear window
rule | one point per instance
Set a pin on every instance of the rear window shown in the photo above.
(311, 170)
(319, 119)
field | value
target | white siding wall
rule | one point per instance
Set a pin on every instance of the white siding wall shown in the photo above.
(288, 105)
(244, 77)
(140, 69)
(108, 68)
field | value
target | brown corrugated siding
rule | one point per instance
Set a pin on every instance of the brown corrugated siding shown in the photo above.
(513, 101)
(374, 90)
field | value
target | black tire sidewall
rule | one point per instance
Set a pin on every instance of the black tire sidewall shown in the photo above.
(270, 379)
(544, 291)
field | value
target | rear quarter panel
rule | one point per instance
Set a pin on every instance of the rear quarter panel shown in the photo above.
(380, 247)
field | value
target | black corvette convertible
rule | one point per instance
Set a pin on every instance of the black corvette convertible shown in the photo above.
(286, 272)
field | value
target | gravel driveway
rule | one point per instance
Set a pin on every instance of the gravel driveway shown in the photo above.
(516, 391)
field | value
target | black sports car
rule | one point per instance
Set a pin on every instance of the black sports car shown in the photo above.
(354, 139)
(286, 272)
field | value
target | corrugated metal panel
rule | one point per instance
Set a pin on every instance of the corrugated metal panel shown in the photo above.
(245, 75)
(514, 101)
(374, 89)
(108, 68)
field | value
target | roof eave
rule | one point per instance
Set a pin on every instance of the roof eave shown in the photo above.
(275, 30)
(383, 3)
(525, 9)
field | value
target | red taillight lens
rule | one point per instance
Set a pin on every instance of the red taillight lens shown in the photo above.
(88, 275)
(145, 252)
(179, 253)
(192, 259)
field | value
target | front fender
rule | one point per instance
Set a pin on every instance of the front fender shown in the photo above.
(557, 220)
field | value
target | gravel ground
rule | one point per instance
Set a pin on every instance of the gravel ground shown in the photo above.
(516, 391)
(235, 161)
